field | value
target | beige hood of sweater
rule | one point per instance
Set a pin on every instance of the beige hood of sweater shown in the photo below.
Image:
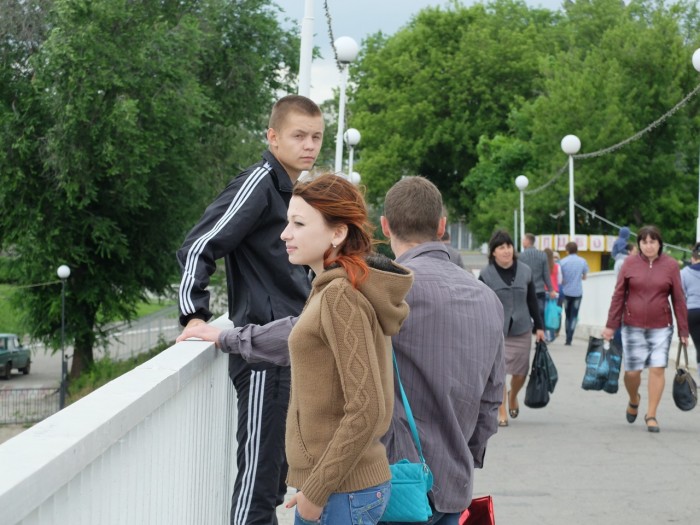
(385, 288)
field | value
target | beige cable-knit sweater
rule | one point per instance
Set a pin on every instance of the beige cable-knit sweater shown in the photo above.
(342, 380)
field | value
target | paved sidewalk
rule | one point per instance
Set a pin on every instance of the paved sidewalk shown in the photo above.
(578, 461)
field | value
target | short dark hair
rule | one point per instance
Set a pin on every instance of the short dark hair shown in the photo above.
(292, 104)
(571, 247)
(499, 238)
(413, 209)
(650, 232)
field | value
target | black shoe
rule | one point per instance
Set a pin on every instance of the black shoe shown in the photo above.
(631, 418)
(653, 429)
(568, 343)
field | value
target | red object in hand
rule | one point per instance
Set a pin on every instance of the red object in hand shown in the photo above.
(480, 512)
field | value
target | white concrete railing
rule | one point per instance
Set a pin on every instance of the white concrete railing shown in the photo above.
(156, 445)
(598, 289)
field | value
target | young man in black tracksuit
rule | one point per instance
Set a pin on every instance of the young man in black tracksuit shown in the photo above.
(243, 226)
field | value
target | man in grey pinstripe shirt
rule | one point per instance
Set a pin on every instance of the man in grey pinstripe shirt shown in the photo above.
(449, 352)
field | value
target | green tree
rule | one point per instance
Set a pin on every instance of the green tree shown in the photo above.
(115, 131)
(625, 67)
(427, 94)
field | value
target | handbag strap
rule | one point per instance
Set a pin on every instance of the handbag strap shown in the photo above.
(409, 413)
(685, 354)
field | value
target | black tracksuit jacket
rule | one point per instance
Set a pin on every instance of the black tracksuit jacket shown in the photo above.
(243, 225)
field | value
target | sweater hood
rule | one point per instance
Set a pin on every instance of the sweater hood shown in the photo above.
(694, 270)
(385, 288)
(620, 244)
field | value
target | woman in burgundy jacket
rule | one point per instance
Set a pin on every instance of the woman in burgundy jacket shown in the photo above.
(640, 305)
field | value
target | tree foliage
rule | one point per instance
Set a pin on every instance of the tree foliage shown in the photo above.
(473, 97)
(425, 95)
(116, 129)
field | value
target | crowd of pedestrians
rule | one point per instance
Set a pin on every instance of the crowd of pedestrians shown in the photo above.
(320, 317)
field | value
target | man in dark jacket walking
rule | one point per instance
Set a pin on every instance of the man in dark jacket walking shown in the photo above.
(243, 226)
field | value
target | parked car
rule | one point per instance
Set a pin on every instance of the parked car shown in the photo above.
(13, 355)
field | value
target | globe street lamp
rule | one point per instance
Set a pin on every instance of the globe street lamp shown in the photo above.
(354, 177)
(63, 274)
(352, 139)
(347, 51)
(521, 182)
(571, 145)
(696, 65)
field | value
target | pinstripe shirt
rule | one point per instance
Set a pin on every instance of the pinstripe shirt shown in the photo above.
(450, 356)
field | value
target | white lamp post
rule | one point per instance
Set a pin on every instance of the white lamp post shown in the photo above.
(571, 145)
(347, 51)
(352, 139)
(354, 177)
(696, 65)
(63, 273)
(306, 50)
(521, 182)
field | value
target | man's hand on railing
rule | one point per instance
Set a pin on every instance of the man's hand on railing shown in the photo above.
(201, 330)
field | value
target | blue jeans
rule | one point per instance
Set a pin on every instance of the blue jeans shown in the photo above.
(541, 302)
(571, 306)
(363, 507)
(438, 518)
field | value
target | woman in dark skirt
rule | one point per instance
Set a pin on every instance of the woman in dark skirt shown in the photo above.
(513, 284)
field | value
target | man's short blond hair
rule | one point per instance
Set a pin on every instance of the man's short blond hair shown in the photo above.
(292, 104)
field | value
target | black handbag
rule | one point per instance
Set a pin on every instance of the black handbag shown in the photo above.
(543, 378)
(548, 364)
(685, 391)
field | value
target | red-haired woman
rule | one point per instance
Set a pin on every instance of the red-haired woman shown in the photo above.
(342, 378)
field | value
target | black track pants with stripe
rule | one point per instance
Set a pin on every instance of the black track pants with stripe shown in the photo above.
(263, 397)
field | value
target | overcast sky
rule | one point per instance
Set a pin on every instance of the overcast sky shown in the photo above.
(358, 19)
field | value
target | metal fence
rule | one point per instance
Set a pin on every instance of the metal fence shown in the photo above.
(27, 405)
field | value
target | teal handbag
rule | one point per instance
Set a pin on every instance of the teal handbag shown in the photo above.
(410, 482)
(552, 315)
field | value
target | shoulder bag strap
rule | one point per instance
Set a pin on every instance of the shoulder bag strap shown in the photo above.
(409, 413)
(678, 356)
